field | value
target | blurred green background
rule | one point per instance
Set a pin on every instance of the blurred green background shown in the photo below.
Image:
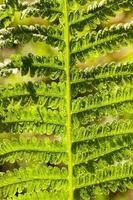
(124, 54)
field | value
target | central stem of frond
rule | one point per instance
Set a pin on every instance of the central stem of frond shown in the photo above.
(68, 99)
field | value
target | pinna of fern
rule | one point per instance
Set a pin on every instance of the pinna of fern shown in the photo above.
(69, 131)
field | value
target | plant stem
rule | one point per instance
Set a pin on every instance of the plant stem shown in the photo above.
(68, 99)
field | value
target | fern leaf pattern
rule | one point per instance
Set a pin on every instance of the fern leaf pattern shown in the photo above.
(66, 132)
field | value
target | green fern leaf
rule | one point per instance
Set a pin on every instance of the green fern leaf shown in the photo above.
(95, 132)
(51, 67)
(52, 10)
(24, 149)
(23, 34)
(45, 177)
(96, 13)
(65, 133)
(104, 41)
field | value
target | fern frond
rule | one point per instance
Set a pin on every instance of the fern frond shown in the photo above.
(90, 102)
(32, 149)
(34, 127)
(121, 127)
(47, 101)
(33, 88)
(101, 78)
(104, 41)
(37, 93)
(60, 195)
(89, 150)
(51, 10)
(33, 114)
(32, 179)
(70, 130)
(117, 177)
(22, 34)
(96, 13)
(33, 96)
(107, 71)
(113, 110)
(39, 66)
